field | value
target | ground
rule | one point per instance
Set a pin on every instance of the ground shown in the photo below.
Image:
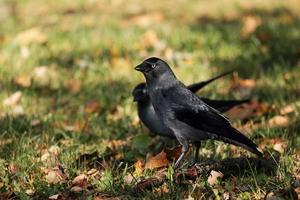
(68, 124)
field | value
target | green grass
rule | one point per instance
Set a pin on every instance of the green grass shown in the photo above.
(97, 44)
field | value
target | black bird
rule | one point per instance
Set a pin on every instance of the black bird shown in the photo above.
(183, 113)
(148, 116)
(150, 119)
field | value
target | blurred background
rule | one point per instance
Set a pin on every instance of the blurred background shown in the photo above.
(66, 73)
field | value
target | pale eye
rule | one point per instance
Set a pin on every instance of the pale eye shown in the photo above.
(153, 66)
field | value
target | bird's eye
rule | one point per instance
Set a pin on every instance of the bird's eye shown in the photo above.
(153, 66)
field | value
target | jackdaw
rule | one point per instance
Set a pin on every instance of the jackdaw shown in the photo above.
(150, 119)
(184, 114)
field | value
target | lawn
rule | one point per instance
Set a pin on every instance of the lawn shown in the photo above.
(68, 124)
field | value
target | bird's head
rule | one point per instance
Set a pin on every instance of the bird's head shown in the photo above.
(154, 68)
(139, 93)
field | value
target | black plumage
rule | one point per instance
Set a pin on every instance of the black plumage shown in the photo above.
(183, 113)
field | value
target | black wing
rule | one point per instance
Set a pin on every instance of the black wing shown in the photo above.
(190, 109)
(197, 86)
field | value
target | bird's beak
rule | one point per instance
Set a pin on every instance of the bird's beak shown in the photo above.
(140, 67)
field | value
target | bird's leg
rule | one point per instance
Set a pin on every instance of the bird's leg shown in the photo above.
(184, 150)
(196, 157)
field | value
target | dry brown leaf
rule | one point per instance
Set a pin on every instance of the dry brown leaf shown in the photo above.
(76, 189)
(145, 20)
(158, 161)
(56, 197)
(13, 99)
(164, 189)
(173, 154)
(278, 121)
(44, 76)
(49, 156)
(33, 35)
(287, 109)
(114, 144)
(79, 183)
(55, 150)
(55, 175)
(30, 192)
(35, 122)
(226, 196)
(23, 81)
(150, 40)
(249, 25)
(279, 145)
(248, 110)
(151, 182)
(213, 177)
(244, 83)
(73, 85)
(92, 106)
(128, 179)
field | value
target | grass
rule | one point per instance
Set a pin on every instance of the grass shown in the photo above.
(82, 104)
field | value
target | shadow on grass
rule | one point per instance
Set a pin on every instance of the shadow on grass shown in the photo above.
(274, 42)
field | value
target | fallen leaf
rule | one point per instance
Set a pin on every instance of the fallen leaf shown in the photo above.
(49, 157)
(148, 183)
(164, 189)
(243, 87)
(173, 154)
(30, 192)
(76, 189)
(41, 75)
(226, 196)
(55, 175)
(213, 177)
(55, 150)
(248, 110)
(73, 85)
(35, 122)
(158, 161)
(280, 146)
(279, 121)
(13, 100)
(249, 25)
(79, 183)
(56, 197)
(114, 144)
(287, 109)
(33, 35)
(150, 40)
(92, 106)
(23, 81)
(145, 20)
(128, 179)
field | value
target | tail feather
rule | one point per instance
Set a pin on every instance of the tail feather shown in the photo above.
(238, 139)
(197, 86)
